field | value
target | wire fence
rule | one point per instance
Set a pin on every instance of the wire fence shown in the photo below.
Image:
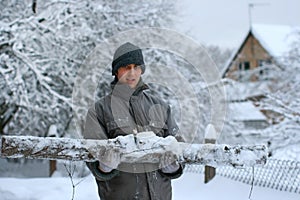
(283, 175)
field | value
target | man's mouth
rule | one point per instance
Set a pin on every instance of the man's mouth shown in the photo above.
(130, 80)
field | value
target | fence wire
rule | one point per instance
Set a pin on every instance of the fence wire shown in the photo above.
(283, 175)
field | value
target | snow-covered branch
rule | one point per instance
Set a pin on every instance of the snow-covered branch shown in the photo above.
(143, 148)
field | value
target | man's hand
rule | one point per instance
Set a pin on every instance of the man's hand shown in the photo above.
(168, 163)
(109, 160)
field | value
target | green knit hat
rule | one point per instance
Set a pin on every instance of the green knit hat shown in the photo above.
(127, 54)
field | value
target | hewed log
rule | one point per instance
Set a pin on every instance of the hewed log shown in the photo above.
(142, 148)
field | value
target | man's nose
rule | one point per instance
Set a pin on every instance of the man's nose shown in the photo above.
(132, 70)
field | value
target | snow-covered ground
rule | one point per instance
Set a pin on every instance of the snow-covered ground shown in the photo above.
(190, 186)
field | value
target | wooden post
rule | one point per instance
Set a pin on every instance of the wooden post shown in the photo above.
(52, 132)
(52, 167)
(209, 172)
(209, 138)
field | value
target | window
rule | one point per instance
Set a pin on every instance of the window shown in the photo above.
(264, 62)
(244, 65)
(263, 65)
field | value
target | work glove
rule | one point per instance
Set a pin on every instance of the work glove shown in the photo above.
(109, 160)
(169, 163)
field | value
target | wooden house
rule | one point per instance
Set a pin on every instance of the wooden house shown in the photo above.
(263, 45)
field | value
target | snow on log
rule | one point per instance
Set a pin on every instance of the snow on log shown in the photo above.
(141, 148)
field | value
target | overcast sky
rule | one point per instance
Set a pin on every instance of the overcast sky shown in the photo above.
(226, 22)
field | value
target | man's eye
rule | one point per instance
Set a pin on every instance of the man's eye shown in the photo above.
(127, 67)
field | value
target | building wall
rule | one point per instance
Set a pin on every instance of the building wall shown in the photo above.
(251, 52)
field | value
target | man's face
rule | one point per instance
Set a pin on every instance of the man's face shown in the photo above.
(129, 74)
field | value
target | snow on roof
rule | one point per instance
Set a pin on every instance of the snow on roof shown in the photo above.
(276, 39)
(239, 91)
(245, 111)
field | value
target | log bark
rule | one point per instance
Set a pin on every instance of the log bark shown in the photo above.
(142, 148)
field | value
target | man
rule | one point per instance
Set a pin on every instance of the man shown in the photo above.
(126, 110)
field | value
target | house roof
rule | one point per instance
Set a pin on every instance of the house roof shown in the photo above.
(275, 39)
(245, 111)
(241, 91)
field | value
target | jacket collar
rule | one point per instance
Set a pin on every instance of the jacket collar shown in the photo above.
(125, 92)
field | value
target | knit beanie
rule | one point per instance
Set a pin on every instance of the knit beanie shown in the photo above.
(127, 54)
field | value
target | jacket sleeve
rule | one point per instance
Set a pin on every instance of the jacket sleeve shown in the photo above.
(173, 130)
(98, 174)
(174, 175)
(94, 129)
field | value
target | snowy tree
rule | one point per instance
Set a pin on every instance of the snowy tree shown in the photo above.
(219, 55)
(42, 45)
(285, 101)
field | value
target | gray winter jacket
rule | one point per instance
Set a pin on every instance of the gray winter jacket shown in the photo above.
(120, 113)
